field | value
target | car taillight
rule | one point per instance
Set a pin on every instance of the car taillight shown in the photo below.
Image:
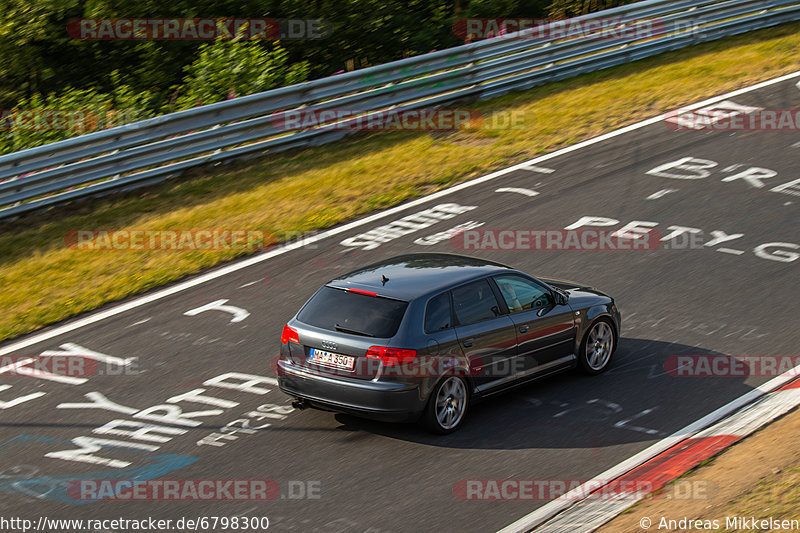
(391, 356)
(289, 335)
(362, 291)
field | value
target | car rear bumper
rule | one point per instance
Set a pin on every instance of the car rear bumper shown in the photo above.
(378, 400)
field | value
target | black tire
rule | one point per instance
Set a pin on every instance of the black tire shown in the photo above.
(447, 406)
(597, 347)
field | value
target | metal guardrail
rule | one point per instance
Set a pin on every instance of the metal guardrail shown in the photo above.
(156, 149)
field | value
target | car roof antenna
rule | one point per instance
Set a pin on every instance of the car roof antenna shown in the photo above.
(384, 279)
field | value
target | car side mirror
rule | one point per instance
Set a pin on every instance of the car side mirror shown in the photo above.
(561, 298)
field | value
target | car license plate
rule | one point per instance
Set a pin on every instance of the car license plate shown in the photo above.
(321, 357)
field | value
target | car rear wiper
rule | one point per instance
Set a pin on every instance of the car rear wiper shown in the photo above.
(353, 331)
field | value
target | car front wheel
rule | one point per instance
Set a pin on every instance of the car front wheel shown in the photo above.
(447, 406)
(597, 347)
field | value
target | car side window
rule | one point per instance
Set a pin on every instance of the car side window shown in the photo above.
(437, 313)
(474, 302)
(522, 294)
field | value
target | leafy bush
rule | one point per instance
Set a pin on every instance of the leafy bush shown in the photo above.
(226, 69)
(41, 119)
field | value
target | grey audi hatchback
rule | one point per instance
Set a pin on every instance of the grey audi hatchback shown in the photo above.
(423, 336)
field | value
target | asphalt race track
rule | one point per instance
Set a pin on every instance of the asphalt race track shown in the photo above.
(735, 293)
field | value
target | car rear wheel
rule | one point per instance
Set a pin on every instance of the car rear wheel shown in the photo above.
(447, 406)
(597, 347)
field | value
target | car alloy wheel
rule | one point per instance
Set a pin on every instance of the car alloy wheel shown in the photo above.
(598, 345)
(447, 406)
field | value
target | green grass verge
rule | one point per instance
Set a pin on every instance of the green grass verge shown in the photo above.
(776, 497)
(44, 281)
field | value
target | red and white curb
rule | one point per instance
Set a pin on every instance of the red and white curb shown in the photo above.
(664, 461)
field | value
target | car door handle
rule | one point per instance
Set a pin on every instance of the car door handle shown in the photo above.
(523, 328)
(468, 343)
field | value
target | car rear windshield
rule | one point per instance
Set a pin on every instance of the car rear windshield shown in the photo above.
(354, 313)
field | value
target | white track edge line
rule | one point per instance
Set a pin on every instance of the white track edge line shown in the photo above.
(612, 509)
(244, 263)
(552, 508)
